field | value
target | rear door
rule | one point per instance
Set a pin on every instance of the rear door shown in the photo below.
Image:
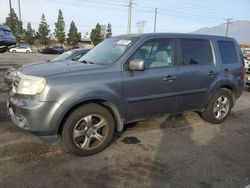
(197, 72)
(152, 91)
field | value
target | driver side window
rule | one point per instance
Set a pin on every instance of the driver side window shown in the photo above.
(156, 53)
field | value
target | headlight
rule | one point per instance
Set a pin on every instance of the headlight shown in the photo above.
(30, 85)
(248, 78)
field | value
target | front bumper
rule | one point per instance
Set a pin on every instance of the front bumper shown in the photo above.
(40, 118)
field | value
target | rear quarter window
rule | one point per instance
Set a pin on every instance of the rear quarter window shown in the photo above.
(228, 52)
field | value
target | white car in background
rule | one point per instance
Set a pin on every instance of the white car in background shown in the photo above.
(23, 49)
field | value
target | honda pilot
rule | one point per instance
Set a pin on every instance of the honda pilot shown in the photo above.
(125, 79)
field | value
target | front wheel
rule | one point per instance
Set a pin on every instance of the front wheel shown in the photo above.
(88, 130)
(219, 107)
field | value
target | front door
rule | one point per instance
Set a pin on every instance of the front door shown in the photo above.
(152, 91)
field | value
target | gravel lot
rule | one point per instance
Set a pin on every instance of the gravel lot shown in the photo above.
(169, 151)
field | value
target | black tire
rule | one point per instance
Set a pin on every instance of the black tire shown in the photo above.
(27, 51)
(209, 115)
(13, 51)
(71, 125)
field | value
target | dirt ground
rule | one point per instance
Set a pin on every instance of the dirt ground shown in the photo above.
(169, 151)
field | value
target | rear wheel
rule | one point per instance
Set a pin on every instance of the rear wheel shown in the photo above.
(219, 107)
(88, 130)
(13, 51)
(27, 51)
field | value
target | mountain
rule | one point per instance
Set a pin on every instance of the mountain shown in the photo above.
(239, 29)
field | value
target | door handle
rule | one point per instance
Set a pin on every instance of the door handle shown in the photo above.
(226, 71)
(212, 74)
(169, 78)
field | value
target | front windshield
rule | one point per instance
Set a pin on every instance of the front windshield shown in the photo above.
(63, 56)
(108, 51)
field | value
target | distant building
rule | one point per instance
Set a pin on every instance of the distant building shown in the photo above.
(85, 43)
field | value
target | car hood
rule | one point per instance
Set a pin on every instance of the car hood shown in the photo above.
(47, 69)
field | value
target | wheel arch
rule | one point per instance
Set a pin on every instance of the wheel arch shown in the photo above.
(117, 115)
(218, 86)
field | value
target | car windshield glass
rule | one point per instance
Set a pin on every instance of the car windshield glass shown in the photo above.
(108, 51)
(62, 57)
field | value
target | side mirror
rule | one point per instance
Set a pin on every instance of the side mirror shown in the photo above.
(136, 65)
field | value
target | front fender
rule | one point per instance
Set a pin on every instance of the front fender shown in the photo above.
(69, 98)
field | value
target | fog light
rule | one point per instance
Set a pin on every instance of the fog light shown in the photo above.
(22, 122)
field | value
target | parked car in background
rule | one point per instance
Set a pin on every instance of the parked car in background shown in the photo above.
(247, 56)
(72, 55)
(246, 51)
(247, 62)
(7, 39)
(52, 50)
(248, 80)
(21, 48)
(125, 79)
(68, 49)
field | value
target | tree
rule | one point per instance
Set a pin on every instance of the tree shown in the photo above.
(43, 31)
(60, 28)
(95, 35)
(109, 31)
(73, 36)
(15, 25)
(29, 34)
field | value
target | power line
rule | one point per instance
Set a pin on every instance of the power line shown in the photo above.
(196, 9)
(183, 9)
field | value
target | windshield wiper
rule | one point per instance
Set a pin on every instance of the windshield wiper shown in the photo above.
(86, 62)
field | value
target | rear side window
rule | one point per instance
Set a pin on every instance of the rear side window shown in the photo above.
(228, 52)
(196, 52)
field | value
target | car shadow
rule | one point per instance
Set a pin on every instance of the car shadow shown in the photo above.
(203, 155)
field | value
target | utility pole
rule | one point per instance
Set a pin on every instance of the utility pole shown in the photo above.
(155, 20)
(129, 16)
(10, 5)
(228, 22)
(19, 7)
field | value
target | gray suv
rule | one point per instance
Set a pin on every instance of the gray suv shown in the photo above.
(126, 79)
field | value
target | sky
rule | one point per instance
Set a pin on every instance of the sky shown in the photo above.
(172, 15)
